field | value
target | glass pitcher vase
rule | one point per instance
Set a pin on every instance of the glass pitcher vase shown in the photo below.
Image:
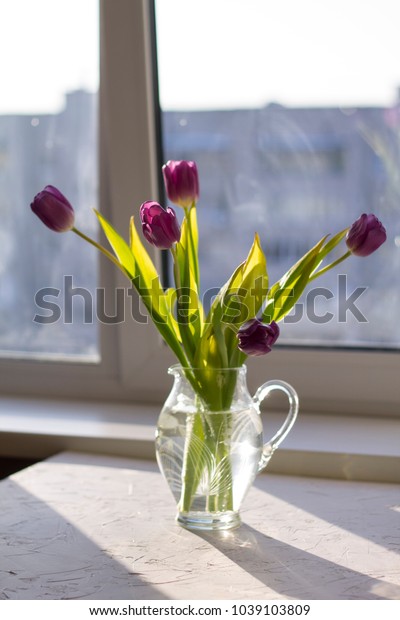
(209, 442)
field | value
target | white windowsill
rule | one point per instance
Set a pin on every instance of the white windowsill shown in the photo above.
(353, 448)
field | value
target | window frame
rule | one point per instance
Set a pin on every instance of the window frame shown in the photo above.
(134, 359)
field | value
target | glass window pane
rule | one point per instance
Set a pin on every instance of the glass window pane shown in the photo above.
(49, 71)
(292, 112)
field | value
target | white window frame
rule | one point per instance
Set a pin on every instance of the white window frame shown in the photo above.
(134, 360)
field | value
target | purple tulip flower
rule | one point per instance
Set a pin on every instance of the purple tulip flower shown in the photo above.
(365, 235)
(53, 209)
(160, 226)
(257, 338)
(181, 182)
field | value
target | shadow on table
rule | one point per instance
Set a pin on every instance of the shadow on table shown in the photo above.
(45, 556)
(294, 573)
(363, 508)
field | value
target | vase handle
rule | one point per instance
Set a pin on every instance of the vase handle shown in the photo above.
(262, 392)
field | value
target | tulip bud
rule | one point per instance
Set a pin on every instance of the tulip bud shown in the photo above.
(257, 338)
(181, 182)
(53, 209)
(160, 226)
(365, 235)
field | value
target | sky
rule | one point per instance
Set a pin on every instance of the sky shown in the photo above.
(47, 48)
(247, 53)
(212, 53)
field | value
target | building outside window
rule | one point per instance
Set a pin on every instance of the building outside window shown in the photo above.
(289, 145)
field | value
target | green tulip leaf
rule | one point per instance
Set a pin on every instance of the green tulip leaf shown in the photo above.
(187, 248)
(190, 313)
(141, 271)
(332, 243)
(284, 293)
(240, 299)
(119, 246)
(146, 270)
(247, 289)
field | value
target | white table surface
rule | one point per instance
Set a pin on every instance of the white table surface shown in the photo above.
(81, 526)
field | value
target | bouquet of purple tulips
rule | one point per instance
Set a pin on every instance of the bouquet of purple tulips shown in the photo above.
(243, 318)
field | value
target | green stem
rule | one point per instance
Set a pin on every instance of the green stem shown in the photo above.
(177, 277)
(208, 438)
(99, 247)
(330, 266)
(217, 441)
(193, 248)
(193, 461)
(219, 333)
(182, 320)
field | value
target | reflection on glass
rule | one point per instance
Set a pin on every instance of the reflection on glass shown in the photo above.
(48, 135)
(295, 136)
